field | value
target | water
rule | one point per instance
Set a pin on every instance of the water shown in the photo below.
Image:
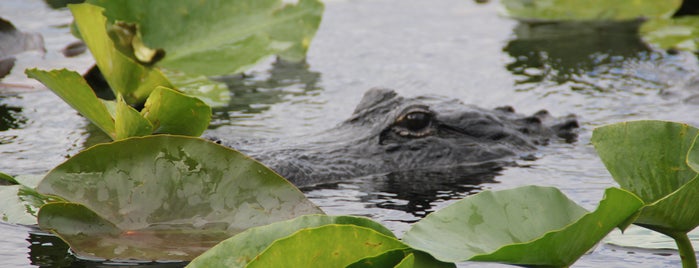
(454, 48)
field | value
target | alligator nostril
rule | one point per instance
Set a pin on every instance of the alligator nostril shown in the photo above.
(532, 120)
(542, 113)
(506, 108)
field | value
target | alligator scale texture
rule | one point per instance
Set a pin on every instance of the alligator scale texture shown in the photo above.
(390, 133)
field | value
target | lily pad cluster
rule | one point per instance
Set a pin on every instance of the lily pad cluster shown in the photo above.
(659, 28)
(165, 197)
(157, 58)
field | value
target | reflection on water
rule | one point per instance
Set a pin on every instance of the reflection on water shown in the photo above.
(417, 191)
(256, 92)
(10, 117)
(573, 53)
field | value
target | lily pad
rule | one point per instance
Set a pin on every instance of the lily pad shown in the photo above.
(75, 91)
(649, 158)
(172, 112)
(217, 38)
(168, 188)
(240, 249)
(213, 93)
(530, 225)
(672, 33)
(129, 122)
(405, 258)
(124, 75)
(579, 10)
(20, 201)
(639, 237)
(332, 245)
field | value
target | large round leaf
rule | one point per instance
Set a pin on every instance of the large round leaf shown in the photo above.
(531, 226)
(75, 91)
(649, 158)
(219, 37)
(172, 112)
(569, 10)
(404, 258)
(125, 76)
(332, 245)
(173, 184)
(672, 33)
(240, 249)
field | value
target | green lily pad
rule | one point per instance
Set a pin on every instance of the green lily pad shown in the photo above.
(129, 122)
(579, 10)
(125, 76)
(240, 249)
(213, 93)
(169, 188)
(672, 33)
(639, 237)
(20, 201)
(530, 225)
(172, 112)
(401, 258)
(216, 38)
(332, 245)
(649, 158)
(7, 179)
(75, 91)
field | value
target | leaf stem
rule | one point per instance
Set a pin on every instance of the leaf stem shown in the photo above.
(684, 245)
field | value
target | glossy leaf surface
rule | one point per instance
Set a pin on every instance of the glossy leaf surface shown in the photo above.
(332, 245)
(529, 225)
(169, 188)
(649, 158)
(240, 249)
(172, 112)
(401, 258)
(129, 122)
(125, 76)
(20, 202)
(569, 10)
(673, 33)
(75, 91)
(220, 37)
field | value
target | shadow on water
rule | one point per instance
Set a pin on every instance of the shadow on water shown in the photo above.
(561, 53)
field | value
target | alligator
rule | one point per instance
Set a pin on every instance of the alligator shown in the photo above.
(388, 133)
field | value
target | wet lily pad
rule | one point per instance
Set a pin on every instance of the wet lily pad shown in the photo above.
(172, 112)
(530, 226)
(649, 158)
(401, 258)
(240, 249)
(673, 33)
(124, 75)
(332, 245)
(216, 38)
(579, 10)
(128, 122)
(638, 237)
(160, 189)
(166, 110)
(75, 91)
(20, 201)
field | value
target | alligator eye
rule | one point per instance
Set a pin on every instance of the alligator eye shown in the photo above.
(417, 121)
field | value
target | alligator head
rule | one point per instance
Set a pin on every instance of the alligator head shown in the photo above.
(388, 133)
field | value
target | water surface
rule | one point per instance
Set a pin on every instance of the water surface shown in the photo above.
(455, 48)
